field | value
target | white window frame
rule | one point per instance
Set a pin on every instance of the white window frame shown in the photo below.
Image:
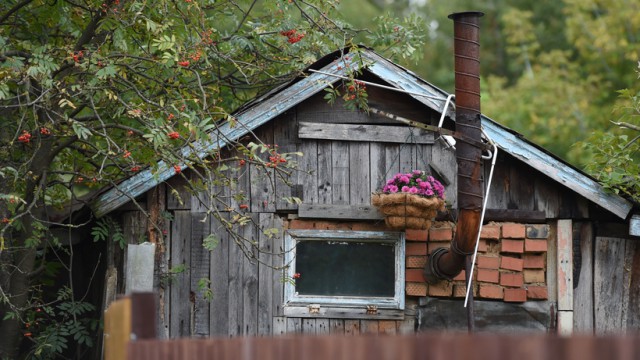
(344, 306)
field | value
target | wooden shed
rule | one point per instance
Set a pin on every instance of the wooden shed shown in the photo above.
(554, 252)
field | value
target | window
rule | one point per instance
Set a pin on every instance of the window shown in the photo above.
(345, 274)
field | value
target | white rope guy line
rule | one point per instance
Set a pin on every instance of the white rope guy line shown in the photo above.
(386, 87)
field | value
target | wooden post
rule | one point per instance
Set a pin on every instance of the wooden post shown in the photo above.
(117, 329)
(565, 277)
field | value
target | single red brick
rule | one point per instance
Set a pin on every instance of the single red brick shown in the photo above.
(459, 291)
(442, 288)
(511, 279)
(513, 231)
(487, 275)
(534, 276)
(512, 246)
(490, 291)
(440, 234)
(414, 275)
(460, 276)
(534, 261)
(482, 245)
(435, 245)
(490, 232)
(511, 263)
(301, 224)
(416, 235)
(537, 292)
(414, 262)
(531, 245)
(515, 295)
(416, 289)
(488, 262)
(413, 248)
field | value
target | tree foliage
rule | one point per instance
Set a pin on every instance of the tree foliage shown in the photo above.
(92, 91)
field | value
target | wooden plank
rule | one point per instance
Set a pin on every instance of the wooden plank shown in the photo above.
(387, 327)
(117, 329)
(236, 297)
(521, 191)
(634, 225)
(339, 173)
(377, 167)
(369, 326)
(285, 135)
(343, 313)
(359, 181)
(262, 180)
(294, 325)
(408, 158)
(308, 174)
(565, 265)
(552, 266)
(352, 212)
(178, 197)
(516, 215)
(200, 274)
(180, 305)
(336, 326)
(309, 326)
(546, 196)
(444, 159)
(609, 285)
(250, 280)
(279, 325)
(322, 326)
(277, 263)
(221, 259)
(565, 323)
(363, 133)
(352, 327)
(500, 184)
(583, 292)
(324, 173)
(633, 317)
(265, 276)
(162, 265)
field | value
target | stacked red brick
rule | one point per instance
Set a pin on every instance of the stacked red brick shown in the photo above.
(511, 262)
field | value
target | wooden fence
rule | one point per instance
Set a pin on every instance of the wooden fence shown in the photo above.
(140, 344)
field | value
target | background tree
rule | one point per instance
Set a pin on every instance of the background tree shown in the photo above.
(92, 91)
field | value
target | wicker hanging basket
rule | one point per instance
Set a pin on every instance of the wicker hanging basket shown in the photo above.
(407, 211)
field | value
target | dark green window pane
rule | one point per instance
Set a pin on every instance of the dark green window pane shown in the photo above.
(345, 268)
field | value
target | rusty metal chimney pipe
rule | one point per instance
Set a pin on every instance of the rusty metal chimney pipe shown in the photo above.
(447, 263)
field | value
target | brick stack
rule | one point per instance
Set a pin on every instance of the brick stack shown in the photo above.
(510, 265)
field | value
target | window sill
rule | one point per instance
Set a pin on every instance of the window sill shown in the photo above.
(335, 312)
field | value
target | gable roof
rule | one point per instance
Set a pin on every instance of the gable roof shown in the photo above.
(283, 98)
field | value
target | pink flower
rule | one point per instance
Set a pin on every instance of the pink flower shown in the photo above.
(423, 185)
(393, 189)
(405, 189)
(404, 179)
(428, 192)
(413, 190)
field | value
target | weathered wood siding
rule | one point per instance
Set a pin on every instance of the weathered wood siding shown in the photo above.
(347, 156)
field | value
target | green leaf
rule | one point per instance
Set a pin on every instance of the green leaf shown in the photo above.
(210, 242)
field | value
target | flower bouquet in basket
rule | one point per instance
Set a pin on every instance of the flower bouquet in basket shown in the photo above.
(410, 201)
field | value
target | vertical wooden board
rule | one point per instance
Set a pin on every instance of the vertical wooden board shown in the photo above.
(309, 326)
(324, 174)
(250, 280)
(633, 317)
(552, 268)
(521, 192)
(339, 173)
(445, 160)
(201, 196)
(180, 306)
(352, 327)
(220, 281)
(322, 326)
(609, 285)
(423, 160)
(583, 292)
(162, 266)
(200, 272)
(265, 276)
(565, 323)
(308, 171)
(377, 167)
(285, 135)
(336, 326)
(369, 326)
(279, 325)
(359, 174)
(546, 196)
(500, 184)
(294, 325)
(387, 327)
(408, 157)
(262, 180)
(277, 263)
(178, 196)
(235, 286)
(407, 326)
(627, 310)
(565, 265)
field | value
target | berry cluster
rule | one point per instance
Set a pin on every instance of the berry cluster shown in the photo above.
(25, 138)
(292, 35)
